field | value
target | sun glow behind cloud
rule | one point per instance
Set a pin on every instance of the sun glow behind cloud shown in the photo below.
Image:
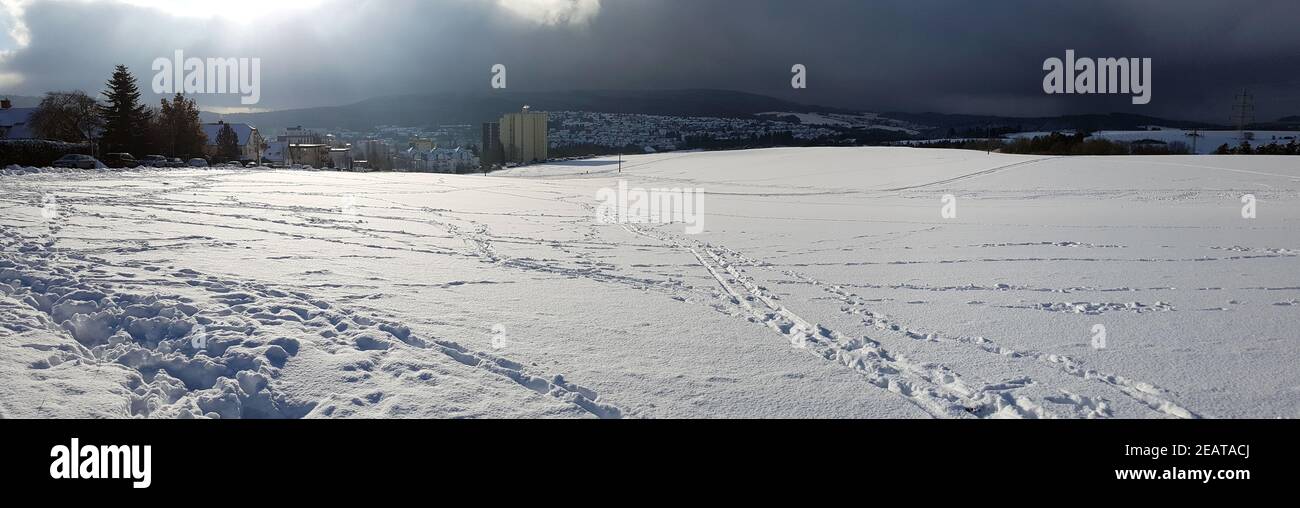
(15, 34)
(11, 18)
(243, 11)
(238, 11)
(553, 12)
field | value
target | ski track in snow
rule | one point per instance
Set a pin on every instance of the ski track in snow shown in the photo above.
(935, 388)
(124, 317)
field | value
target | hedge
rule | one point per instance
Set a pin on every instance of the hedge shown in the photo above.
(37, 152)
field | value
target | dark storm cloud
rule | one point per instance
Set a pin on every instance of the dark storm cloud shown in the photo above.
(909, 55)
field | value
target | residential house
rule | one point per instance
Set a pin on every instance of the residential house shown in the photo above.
(14, 121)
(297, 145)
(250, 141)
(437, 160)
(341, 158)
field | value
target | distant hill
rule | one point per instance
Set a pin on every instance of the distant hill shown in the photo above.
(474, 108)
(1286, 123)
(1113, 121)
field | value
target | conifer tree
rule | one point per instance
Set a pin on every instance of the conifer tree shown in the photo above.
(126, 120)
(180, 131)
(227, 144)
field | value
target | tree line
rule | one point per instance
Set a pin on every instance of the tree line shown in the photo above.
(1244, 148)
(1057, 143)
(123, 123)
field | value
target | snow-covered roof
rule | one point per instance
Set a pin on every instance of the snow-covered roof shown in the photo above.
(242, 130)
(13, 123)
(20, 131)
(13, 116)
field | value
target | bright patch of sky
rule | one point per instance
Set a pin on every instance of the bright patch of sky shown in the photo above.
(242, 11)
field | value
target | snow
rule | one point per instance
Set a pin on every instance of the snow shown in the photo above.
(825, 284)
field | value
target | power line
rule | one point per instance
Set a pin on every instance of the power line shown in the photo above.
(1243, 110)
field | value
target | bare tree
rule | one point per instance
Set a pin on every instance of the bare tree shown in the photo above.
(67, 116)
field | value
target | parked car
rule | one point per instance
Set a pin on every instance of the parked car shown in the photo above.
(154, 161)
(121, 160)
(198, 163)
(75, 160)
(175, 162)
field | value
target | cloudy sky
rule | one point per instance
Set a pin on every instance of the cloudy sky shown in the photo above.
(952, 56)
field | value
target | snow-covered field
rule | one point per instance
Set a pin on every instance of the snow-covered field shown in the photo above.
(825, 284)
